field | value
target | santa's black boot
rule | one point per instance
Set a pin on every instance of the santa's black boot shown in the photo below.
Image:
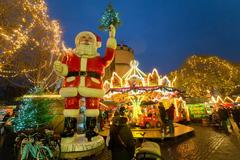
(70, 124)
(91, 123)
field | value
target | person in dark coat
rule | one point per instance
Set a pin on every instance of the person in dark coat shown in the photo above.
(238, 108)
(170, 113)
(236, 116)
(223, 115)
(121, 139)
(163, 114)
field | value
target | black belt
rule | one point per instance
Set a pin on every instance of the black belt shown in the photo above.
(84, 73)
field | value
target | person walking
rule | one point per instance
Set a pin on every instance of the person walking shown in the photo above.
(121, 141)
(223, 115)
(170, 113)
(163, 114)
(236, 116)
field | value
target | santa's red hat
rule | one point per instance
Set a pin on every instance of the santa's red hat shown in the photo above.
(99, 41)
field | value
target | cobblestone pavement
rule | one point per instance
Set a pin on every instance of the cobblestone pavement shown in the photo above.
(206, 144)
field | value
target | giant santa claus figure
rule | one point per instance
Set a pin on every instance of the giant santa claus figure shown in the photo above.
(83, 70)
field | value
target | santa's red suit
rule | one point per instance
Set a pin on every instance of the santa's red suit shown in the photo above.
(84, 79)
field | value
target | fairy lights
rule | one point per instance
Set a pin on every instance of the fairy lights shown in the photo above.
(136, 87)
(29, 40)
(135, 75)
(201, 74)
(136, 102)
(227, 99)
(57, 96)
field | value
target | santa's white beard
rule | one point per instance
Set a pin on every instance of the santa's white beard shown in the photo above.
(86, 50)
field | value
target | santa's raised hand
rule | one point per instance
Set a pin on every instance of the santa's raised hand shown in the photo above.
(112, 31)
(111, 42)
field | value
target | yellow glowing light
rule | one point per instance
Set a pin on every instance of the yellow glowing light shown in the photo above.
(134, 72)
(43, 96)
(136, 103)
(117, 87)
(116, 79)
(237, 99)
(202, 73)
(16, 35)
(154, 76)
(227, 99)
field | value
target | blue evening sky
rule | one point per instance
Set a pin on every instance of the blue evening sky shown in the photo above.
(162, 33)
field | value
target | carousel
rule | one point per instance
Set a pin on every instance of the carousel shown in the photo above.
(141, 93)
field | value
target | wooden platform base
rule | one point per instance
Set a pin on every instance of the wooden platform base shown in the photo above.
(78, 146)
(79, 155)
(155, 133)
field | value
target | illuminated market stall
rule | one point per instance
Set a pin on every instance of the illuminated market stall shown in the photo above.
(140, 93)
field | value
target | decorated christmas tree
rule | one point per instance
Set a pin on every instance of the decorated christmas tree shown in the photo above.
(33, 113)
(110, 16)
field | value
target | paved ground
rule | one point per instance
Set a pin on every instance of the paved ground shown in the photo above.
(206, 144)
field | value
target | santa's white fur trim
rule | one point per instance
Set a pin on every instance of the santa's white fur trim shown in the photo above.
(111, 43)
(68, 92)
(83, 66)
(71, 112)
(95, 80)
(91, 92)
(70, 79)
(92, 112)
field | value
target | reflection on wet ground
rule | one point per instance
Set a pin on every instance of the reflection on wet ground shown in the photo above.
(206, 144)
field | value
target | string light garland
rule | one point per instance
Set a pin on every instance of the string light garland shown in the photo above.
(201, 74)
(134, 74)
(33, 113)
(227, 99)
(30, 39)
(136, 87)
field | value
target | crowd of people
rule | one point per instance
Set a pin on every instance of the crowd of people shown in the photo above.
(221, 115)
(166, 117)
(121, 141)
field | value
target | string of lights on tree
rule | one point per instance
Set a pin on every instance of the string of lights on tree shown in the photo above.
(33, 113)
(29, 38)
(201, 74)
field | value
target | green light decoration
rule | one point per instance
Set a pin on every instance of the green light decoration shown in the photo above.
(33, 113)
(136, 103)
(110, 16)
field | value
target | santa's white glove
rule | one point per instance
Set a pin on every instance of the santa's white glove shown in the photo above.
(111, 42)
(60, 68)
(112, 31)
